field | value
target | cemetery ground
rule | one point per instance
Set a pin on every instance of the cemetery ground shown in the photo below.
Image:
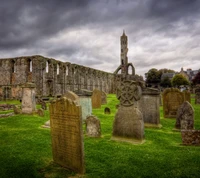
(25, 150)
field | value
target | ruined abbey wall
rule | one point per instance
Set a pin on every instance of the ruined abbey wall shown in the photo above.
(50, 76)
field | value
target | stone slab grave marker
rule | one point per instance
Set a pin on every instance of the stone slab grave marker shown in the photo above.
(187, 96)
(96, 99)
(28, 98)
(103, 97)
(149, 105)
(172, 99)
(197, 95)
(93, 126)
(190, 137)
(67, 134)
(185, 117)
(128, 124)
(107, 110)
(85, 102)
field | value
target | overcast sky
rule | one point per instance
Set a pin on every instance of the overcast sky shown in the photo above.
(161, 33)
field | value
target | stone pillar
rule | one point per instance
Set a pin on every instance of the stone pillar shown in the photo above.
(28, 98)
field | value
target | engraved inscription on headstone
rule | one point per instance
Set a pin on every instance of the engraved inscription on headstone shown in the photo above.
(172, 99)
(67, 135)
(149, 105)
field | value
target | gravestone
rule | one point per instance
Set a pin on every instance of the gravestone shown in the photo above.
(187, 96)
(85, 102)
(71, 95)
(67, 134)
(17, 110)
(107, 110)
(128, 124)
(96, 99)
(197, 95)
(103, 97)
(93, 126)
(28, 98)
(190, 137)
(46, 124)
(185, 117)
(40, 112)
(149, 105)
(172, 99)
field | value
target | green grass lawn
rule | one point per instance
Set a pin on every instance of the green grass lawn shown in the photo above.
(25, 150)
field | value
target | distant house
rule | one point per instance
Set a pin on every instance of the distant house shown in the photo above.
(189, 73)
(167, 75)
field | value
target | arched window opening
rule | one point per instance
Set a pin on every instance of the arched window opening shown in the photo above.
(13, 70)
(47, 66)
(67, 71)
(130, 70)
(58, 69)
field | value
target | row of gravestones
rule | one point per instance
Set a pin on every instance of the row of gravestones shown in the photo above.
(66, 122)
(177, 105)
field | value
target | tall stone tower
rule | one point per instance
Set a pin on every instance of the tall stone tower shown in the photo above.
(124, 51)
(124, 67)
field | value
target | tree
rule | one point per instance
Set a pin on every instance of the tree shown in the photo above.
(179, 80)
(166, 82)
(153, 76)
(196, 79)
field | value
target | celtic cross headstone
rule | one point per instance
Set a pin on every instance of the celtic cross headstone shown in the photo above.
(128, 124)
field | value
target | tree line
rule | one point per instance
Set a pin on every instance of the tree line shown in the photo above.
(169, 78)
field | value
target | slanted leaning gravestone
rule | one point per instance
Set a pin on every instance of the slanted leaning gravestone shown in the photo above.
(67, 134)
(185, 117)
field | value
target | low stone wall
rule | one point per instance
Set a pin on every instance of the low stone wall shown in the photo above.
(190, 137)
(4, 107)
(6, 115)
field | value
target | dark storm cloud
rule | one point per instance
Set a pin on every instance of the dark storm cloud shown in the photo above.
(87, 31)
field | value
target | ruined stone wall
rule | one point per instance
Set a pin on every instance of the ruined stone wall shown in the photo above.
(51, 77)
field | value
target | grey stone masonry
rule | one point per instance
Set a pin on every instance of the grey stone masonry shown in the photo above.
(51, 77)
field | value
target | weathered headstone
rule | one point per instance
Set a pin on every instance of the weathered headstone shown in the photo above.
(93, 126)
(28, 98)
(172, 99)
(96, 99)
(185, 117)
(103, 97)
(85, 102)
(187, 96)
(17, 110)
(40, 112)
(197, 95)
(107, 110)
(149, 105)
(190, 137)
(46, 124)
(71, 95)
(128, 123)
(67, 134)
